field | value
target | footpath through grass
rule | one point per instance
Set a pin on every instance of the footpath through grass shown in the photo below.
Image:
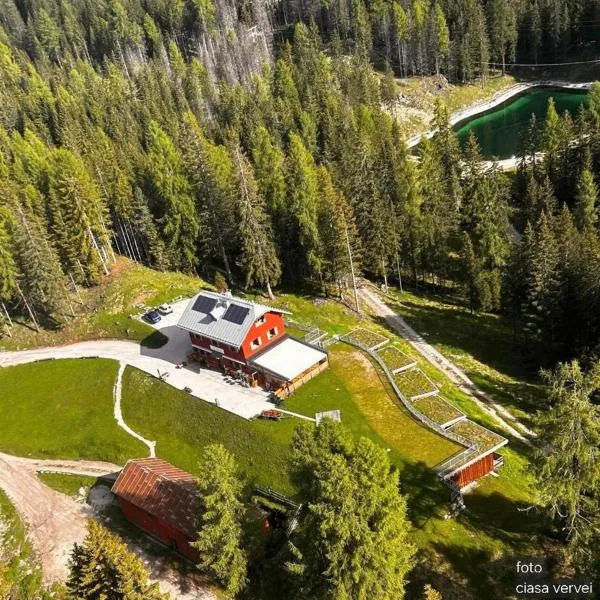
(63, 409)
(182, 425)
(481, 344)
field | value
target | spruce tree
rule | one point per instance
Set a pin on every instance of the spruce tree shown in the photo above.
(41, 283)
(586, 201)
(171, 199)
(102, 567)
(337, 231)
(353, 541)
(219, 529)
(77, 217)
(301, 214)
(567, 466)
(8, 267)
(258, 257)
(212, 175)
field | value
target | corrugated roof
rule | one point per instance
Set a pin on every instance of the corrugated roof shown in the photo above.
(222, 317)
(164, 491)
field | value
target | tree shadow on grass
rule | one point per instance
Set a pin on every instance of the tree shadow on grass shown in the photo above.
(503, 518)
(155, 340)
(427, 497)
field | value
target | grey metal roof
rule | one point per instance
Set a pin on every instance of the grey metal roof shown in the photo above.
(222, 317)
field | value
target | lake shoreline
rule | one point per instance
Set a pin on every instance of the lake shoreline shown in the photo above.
(497, 100)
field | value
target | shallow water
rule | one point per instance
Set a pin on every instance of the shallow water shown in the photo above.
(499, 131)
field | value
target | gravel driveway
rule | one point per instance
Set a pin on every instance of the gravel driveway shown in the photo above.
(56, 521)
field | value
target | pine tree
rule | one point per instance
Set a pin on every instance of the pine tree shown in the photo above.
(219, 529)
(470, 272)
(8, 267)
(258, 257)
(171, 199)
(353, 541)
(337, 231)
(40, 284)
(102, 567)
(544, 293)
(586, 201)
(503, 27)
(567, 465)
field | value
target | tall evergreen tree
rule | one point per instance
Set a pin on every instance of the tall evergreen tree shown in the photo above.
(301, 214)
(102, 567)
(258, 257)
(219, 529)
(567, 465)
(78, 218)
(353, 542)
(171, 199)
(586, 201)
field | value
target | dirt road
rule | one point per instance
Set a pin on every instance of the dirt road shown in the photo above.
(498, 412)
(56, 521)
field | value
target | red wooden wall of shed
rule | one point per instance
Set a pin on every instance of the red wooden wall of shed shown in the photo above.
(474, 471)
(159, 529)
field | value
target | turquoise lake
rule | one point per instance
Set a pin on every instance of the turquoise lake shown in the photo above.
(499, 131)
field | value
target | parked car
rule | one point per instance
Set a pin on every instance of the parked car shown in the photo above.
(165, 309)
(152, 317)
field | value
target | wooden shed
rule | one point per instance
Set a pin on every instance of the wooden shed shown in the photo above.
(161, 500)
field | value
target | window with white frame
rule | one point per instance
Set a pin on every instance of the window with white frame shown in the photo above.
(272, 332)
(260, 321)
(255, 343)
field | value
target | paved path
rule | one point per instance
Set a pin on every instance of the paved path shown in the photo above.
(498, 412)
(207, 384)
(56, 521)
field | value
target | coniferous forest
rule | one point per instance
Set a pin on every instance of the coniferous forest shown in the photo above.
(256, 138)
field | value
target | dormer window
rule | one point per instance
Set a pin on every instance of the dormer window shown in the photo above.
(255, 343)
(260, 321)
(272, 333)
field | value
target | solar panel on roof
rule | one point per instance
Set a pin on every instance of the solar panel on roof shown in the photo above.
(236, 314)
(204, 304)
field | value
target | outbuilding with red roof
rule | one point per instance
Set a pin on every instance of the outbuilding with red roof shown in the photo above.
(162, 500)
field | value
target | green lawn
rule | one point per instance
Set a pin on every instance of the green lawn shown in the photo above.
(481, 344)
(368, 407)
(182, 425)
(71, 485)
(63, 409)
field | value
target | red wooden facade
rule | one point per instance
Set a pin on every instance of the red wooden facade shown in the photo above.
(269, 328)
(474, 471)
(159, 529)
